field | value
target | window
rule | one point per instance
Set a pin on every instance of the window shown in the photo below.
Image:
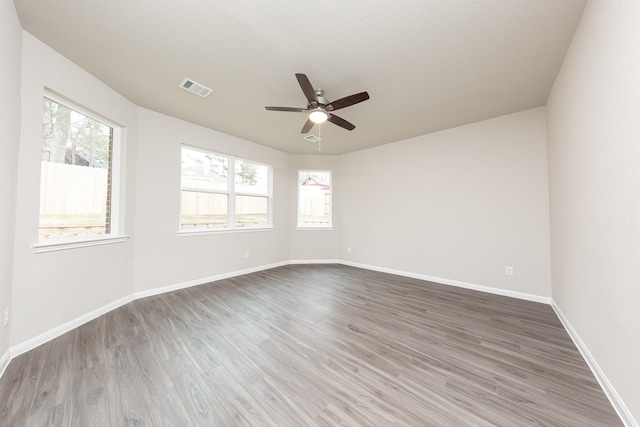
(212, 201)
(314, 199)
(77, 173)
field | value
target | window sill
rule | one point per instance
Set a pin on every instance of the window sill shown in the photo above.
(327, 228)
(73, 244)
(225, 231)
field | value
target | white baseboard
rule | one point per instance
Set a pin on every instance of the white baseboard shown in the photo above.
(442, 281)
(615, 399)
(202, 281)
(613, 396)
(4, 361)
(34, 342)
(314, 261)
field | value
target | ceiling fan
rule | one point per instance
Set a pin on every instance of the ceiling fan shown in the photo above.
(319, 108)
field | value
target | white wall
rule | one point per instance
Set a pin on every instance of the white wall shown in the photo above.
(457, 205)
(50, 289)
(10, 54)
(165, 259)
(320, 244)
(594, 178)
(460, 204)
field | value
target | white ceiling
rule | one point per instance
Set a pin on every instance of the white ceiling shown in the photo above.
(428, 65)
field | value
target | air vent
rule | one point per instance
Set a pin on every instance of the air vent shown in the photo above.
(194, 87)
(312, 138)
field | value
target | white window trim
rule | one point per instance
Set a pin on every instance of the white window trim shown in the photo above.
(60, 245)
(181, 233)
(231, 193)
(116, 234)
(318, 227)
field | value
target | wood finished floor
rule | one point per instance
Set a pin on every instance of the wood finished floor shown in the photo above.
(310, 346)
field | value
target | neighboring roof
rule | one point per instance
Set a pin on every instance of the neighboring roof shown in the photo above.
(314, 182)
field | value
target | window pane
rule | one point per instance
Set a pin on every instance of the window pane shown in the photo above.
(207, 171)
(223, 192)
(75, 175)
(251, 178)
(252, 211)
(203, 211)
(314, 199)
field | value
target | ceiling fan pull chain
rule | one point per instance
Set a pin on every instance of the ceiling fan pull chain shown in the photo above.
(319, 137)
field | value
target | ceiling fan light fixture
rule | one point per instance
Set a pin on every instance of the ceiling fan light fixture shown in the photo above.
(318, 115)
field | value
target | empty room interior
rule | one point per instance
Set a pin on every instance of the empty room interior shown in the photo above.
(191, 233)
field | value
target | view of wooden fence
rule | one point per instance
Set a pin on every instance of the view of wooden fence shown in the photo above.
(71, 189)
(313, 201)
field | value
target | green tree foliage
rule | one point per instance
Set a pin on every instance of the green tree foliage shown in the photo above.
(218, 165)
(71, 137)
(246, 173)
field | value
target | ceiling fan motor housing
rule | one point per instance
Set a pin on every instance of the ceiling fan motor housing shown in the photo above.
(322, 101)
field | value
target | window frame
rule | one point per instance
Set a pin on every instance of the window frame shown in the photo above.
(116, 220)
(231, 194)
(298, 187)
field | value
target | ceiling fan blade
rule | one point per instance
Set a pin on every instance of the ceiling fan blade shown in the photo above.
(307, 88)
(341, 122)
(307, 126)
(292, 109)
(347, 101)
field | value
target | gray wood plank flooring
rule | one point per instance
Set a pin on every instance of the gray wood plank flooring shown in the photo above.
(310, 345)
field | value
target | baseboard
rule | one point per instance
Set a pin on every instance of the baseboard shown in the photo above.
(202, 281)
(34, 342)
(615, 399)
(459, 284)
(4, 361)
(607, 387)
(314, 261)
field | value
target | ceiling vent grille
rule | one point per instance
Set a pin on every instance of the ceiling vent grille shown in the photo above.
(312, 138)
(194, 87)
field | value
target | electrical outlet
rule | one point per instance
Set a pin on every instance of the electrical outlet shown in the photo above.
(508, 270)
(348, 249)
(6, 316)
(246, 254)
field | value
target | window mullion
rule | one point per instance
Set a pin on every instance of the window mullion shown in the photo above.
(248, 204)
(203, 190)
(231, 182)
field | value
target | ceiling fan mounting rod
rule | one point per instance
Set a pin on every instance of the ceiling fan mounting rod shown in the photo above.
(322, 101)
